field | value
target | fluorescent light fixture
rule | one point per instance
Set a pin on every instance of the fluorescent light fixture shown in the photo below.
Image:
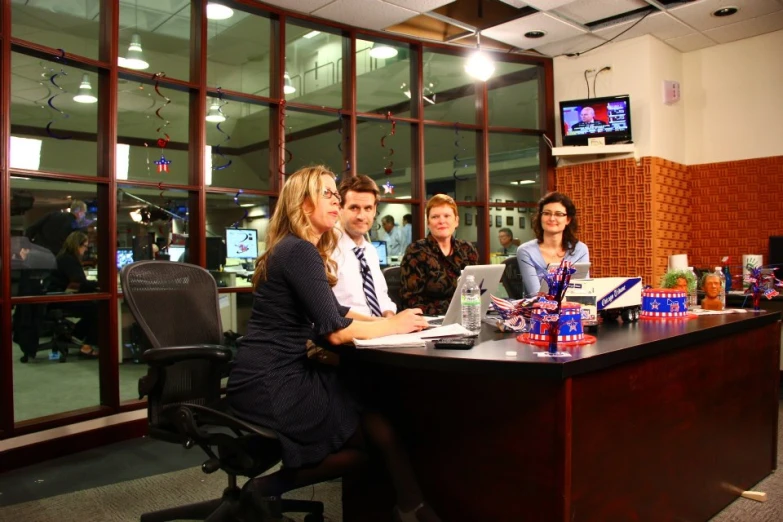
(25, 153)
(208, 165)
(214, 115)
(218, 11)
(135, 215)
(122, 160)
(85, 94)
(480, 66)
(525, 182)
(134, 59)
(288, 86)
(312, 34)
(403, 197)
(383, 51)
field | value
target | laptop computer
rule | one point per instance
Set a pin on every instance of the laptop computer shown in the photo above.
(487, 278)
(582, 272)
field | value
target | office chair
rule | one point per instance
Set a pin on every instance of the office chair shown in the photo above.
(176, 306)
(512, 279)
(392, 276)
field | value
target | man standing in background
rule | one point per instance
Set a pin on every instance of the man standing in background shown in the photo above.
(51, 230)
(395, 239)
(407, 229)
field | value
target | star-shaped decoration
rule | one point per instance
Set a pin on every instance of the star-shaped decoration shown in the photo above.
(388, 188)
(163, 164)
(571, 323)
(655, 304)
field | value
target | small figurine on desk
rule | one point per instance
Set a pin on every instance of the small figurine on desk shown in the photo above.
(682, 280)
(711, 285)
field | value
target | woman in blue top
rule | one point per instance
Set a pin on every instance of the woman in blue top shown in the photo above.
(555, 226)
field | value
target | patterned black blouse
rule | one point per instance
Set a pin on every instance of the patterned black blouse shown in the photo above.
(428, 278)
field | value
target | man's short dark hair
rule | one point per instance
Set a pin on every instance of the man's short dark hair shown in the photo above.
(388, 219)
(407, 218)
(360, 183)
(506, 231)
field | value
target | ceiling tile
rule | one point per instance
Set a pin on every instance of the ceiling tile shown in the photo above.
(303, 6)
(585, 11)
(543, 5)
(421, 6)
(691, 42)
(513, 32)
(367, 14)
(572, 45)
(699, 14)
(660, 25)
(747, 28)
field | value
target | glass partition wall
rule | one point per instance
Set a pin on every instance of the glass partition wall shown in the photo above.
(153, 131)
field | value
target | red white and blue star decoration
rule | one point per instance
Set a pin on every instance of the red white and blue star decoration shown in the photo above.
(163, 164)
(388, 188)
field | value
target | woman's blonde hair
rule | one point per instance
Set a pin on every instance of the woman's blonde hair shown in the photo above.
(290, 217)
(72, 243)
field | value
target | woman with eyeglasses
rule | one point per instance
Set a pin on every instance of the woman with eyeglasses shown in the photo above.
(555, 226)
(70, 277)
(320, 425)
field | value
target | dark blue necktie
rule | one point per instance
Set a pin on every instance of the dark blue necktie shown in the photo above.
(367, 283)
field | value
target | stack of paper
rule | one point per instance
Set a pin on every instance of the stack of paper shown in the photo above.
(413, 339)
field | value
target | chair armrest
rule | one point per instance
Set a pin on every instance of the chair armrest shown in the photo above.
(173, 354)
(214, 417)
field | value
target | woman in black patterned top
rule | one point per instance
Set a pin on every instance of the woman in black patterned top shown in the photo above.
(431, 266)
(320, 426)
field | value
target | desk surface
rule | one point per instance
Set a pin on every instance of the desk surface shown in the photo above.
(616, 344)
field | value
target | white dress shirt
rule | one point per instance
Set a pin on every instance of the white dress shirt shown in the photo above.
(349, 289)
(395, 242)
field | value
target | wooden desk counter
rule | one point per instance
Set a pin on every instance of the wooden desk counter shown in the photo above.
(656, 421)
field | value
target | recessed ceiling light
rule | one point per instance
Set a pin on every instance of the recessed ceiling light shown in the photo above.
(535, 34)
(218, 11)
(312, 34)
(725, 11)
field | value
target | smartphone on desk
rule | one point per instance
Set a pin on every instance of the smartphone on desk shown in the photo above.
(456, 343)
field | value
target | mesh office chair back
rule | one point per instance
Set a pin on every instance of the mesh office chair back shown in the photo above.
(392, 277)
(512, 279)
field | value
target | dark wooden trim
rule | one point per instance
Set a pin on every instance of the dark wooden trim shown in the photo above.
(57, 176)
(482, 167)
(197, 205)
(49, 53)
(69, 444)
(6, 347)
(61, 298)
(547, 109)
(351, 121)
(57, 420)
(277, 135)
(418, 157)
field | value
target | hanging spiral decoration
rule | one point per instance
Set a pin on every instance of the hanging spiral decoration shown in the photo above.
(287, 154)
(459, 148)
(236, 200)
(52, 80)
(227, 162)
(388, 169)
(340, 144)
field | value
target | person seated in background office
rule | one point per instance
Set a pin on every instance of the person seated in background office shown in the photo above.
(321, 427)
(431, 267)
(360, 282)
(555, 226)
(70, 277)
(52, 230)
(711, 284)
(395, 240)
(507, 246)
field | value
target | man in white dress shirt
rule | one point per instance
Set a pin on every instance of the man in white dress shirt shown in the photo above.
(395, 237)
(364, 291)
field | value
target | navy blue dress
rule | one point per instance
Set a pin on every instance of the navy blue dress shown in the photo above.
(272, 382)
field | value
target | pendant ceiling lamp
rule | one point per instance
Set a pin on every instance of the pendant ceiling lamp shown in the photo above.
(85, 94)
(479, 65)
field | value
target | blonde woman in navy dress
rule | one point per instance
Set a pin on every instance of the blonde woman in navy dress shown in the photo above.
(273, 383)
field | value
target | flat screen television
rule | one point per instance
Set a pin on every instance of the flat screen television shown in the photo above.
(608, 117)
(241, 243)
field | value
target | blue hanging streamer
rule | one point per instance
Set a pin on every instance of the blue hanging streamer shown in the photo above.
(236, 200)
(60, 59)
(228, 162)
(458, 146)
(340, 143)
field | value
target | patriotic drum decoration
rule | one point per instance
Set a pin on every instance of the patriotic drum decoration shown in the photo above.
(664, 303)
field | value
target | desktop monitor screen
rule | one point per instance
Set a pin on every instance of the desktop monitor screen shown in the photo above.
(176, 252)
(124, 257)
(608, 118)
(241, 243)
(380, 247)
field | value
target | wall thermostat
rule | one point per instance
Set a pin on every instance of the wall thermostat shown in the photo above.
(671, 92)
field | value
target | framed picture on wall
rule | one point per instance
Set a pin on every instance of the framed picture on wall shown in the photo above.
(509, 221)
(521, 221)
(468, 219)
(468, 198)
(498, 221)
(490, 221)
(521, 210)
(498, 201)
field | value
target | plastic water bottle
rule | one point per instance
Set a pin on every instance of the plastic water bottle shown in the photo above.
(693, 300)
(471, 304)
(722, 295)
(727, 275)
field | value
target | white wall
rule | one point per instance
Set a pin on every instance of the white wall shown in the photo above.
(733, 96)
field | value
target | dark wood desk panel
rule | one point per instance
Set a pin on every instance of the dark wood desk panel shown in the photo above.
(606, 435)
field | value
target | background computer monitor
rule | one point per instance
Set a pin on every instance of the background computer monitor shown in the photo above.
(176, 252)
(124, 257)
(241, 243)
(380, 247)
(216, 253)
